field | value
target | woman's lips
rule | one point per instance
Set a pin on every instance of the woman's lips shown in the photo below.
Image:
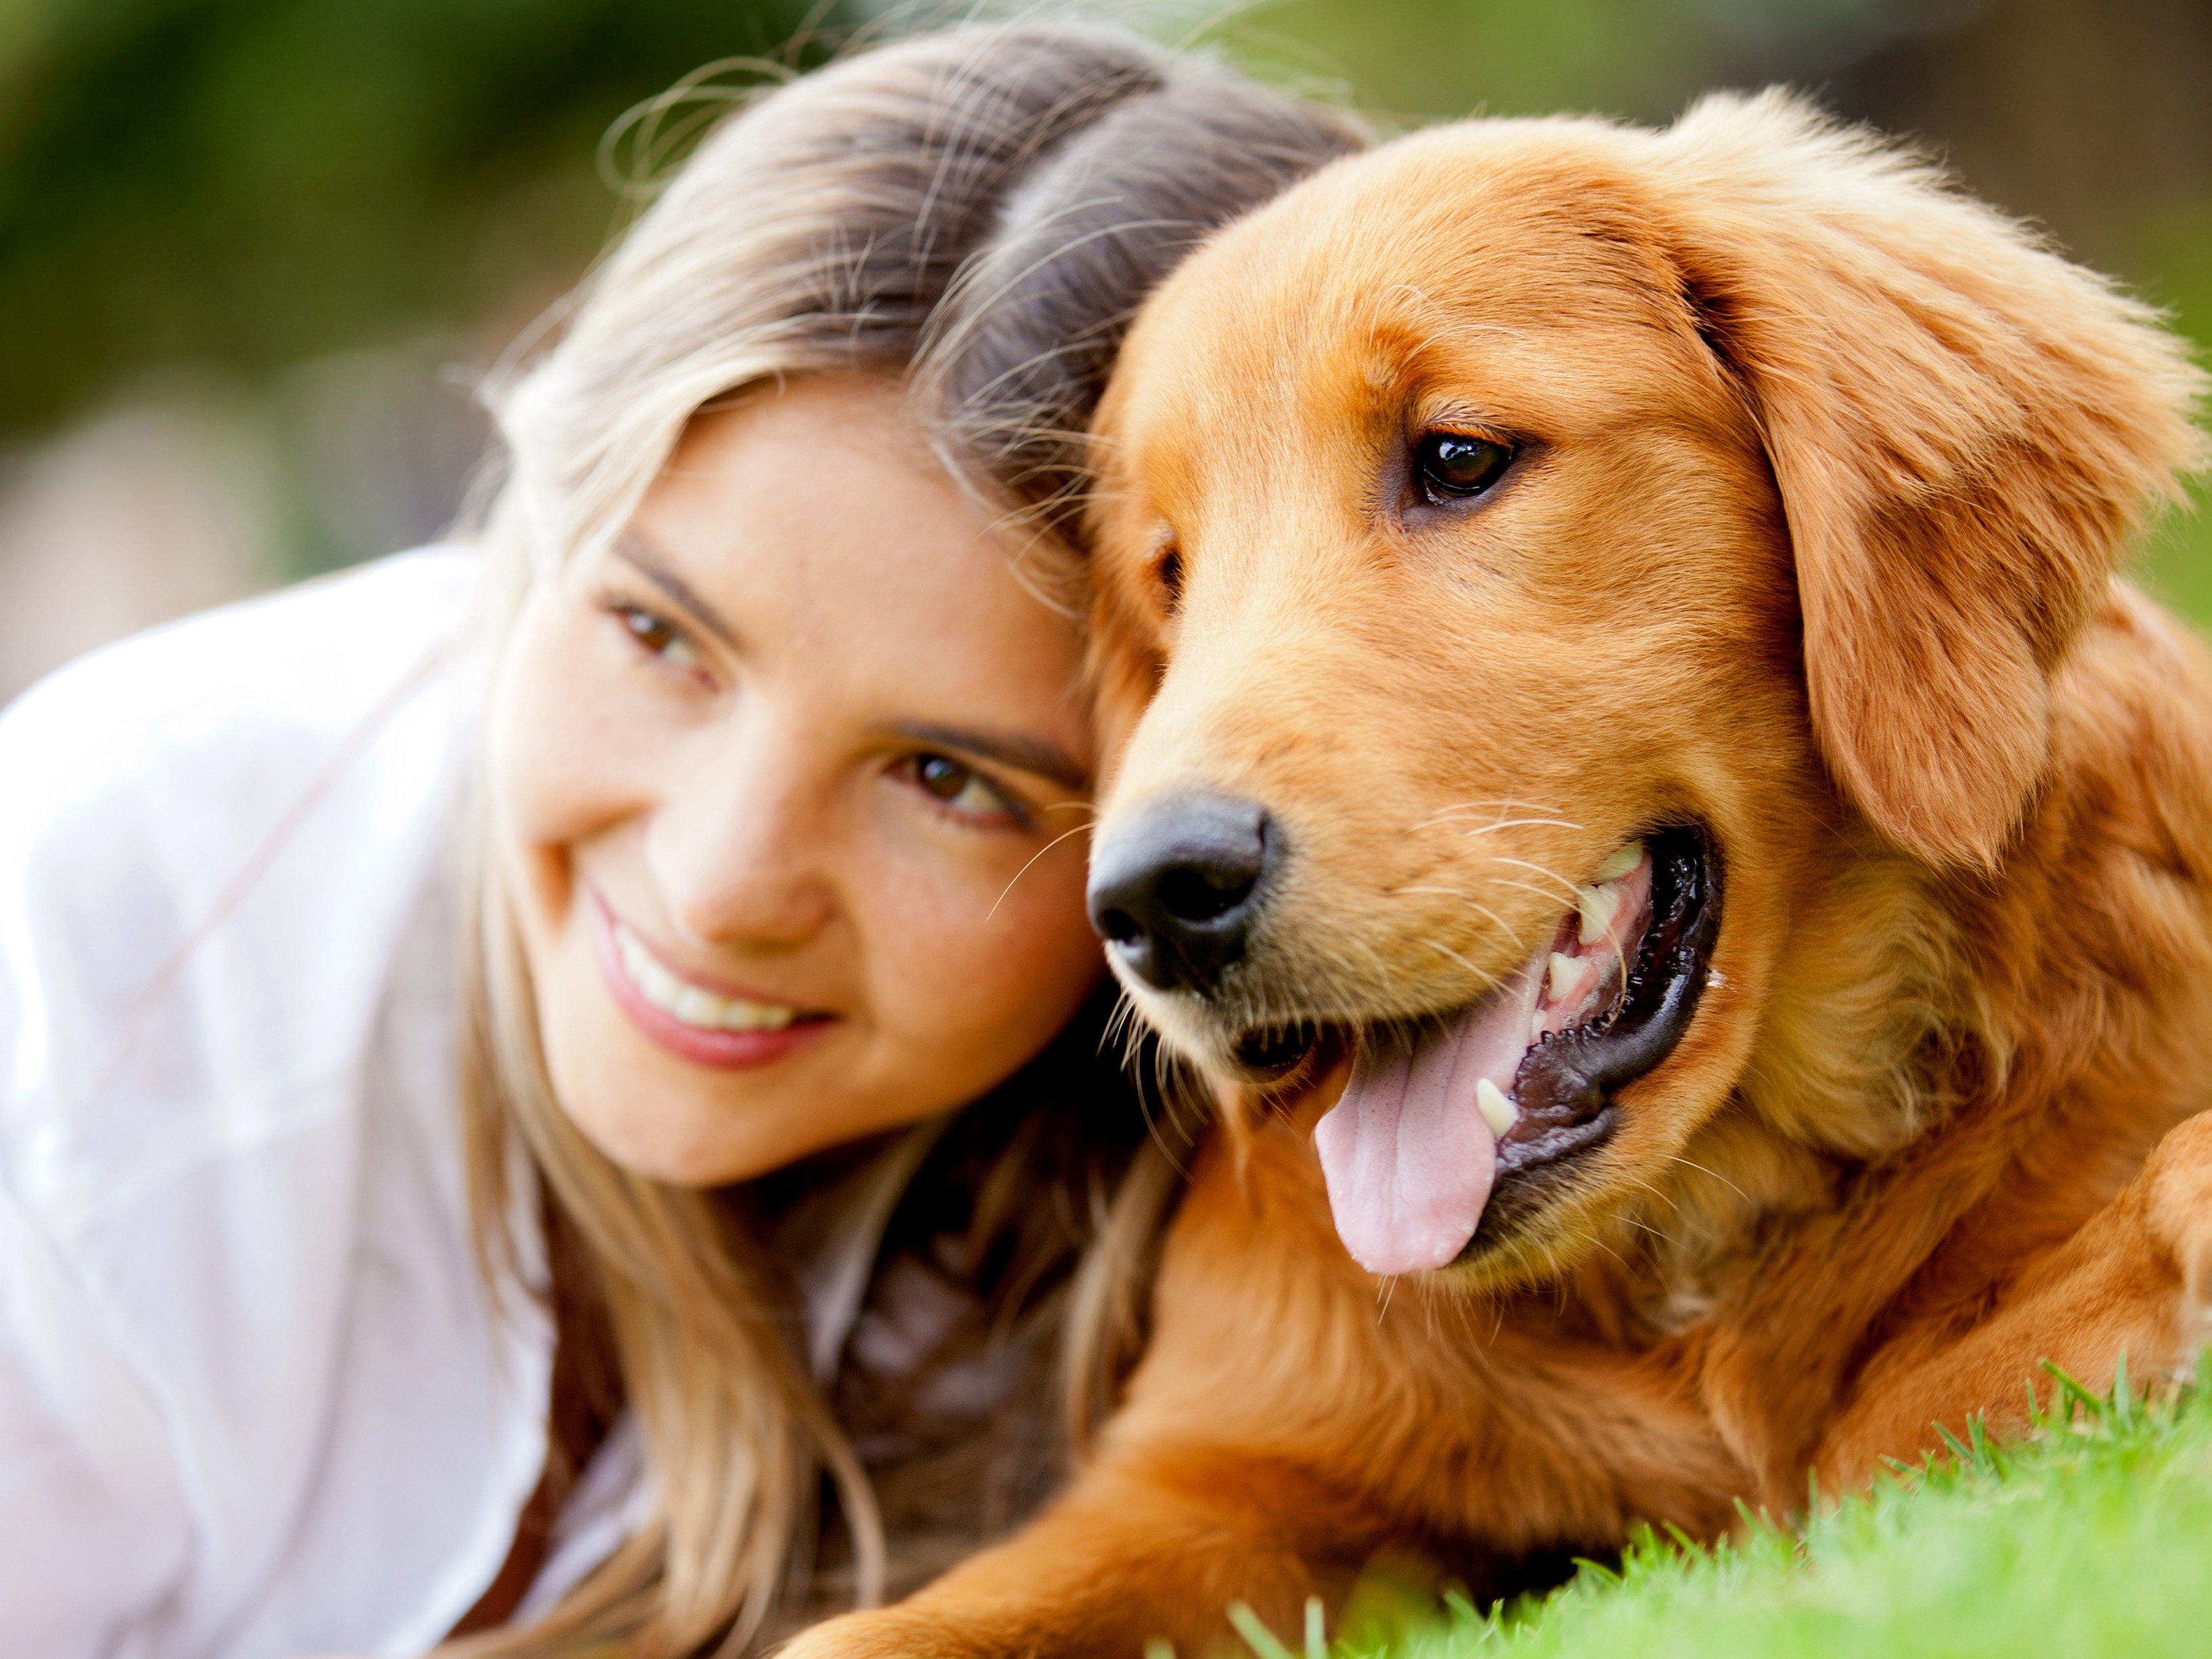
(706, 1026)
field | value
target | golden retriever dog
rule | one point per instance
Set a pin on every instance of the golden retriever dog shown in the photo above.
(1635, 752)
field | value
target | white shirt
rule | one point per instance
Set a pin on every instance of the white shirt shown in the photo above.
(253, 1398)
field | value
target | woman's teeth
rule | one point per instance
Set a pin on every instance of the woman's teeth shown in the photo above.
(694, 1005)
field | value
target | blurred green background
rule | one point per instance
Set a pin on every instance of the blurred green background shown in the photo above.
(254, 253)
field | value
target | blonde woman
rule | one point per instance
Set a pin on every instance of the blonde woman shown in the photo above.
(539, 1084)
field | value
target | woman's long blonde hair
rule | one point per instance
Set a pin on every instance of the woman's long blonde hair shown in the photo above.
(976, 211)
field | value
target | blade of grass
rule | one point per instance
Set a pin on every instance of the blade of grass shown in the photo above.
(1257, 1637)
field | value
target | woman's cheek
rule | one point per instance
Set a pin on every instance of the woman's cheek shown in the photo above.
(987, 989)
(561, 770)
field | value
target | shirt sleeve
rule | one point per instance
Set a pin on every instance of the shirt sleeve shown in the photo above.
(94, 1528)
(235, 1278)
(93, 1531)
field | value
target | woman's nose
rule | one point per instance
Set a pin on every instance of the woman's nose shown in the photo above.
(743, 859)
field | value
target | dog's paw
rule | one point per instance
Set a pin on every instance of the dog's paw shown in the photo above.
(2178, 1209)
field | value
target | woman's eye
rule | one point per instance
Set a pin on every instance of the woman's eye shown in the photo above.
(660, 636)
(961, 787)
(1450, 466)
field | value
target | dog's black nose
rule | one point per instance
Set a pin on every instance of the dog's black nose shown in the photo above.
(1174, 892)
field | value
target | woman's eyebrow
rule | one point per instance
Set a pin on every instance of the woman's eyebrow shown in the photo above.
(633, 551)
(1035, 756)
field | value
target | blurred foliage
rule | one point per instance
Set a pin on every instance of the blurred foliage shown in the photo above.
(249, 182)
(245, 186)
(1417, 59)
(2177, 556)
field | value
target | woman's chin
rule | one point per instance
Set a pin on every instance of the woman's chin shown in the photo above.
(663, 1117)
(680, 1141)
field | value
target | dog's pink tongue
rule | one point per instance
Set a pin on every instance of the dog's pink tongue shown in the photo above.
(1405, 1153)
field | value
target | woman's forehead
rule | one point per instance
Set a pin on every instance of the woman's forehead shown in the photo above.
(817, 525)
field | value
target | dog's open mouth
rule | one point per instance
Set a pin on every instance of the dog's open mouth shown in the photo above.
(1446, 1143)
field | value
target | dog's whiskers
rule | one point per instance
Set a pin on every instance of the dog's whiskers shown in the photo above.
(1568, 890)
(1032, 864)
(1544, 893)
(1676, 1157)
(1475, 904)
(1488, 980)
(1519, 823)
(1501, 806)
(1614, 1254)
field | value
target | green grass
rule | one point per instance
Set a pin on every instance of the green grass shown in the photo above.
(2092, 1536)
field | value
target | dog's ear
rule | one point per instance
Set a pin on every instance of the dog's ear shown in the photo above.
(1964, 428)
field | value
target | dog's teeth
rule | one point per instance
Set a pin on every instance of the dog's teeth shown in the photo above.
(1621, 862)
(1598, 906)
(1499, 1113)
(1561, 972)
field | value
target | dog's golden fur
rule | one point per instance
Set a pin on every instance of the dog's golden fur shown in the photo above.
(1823, 474)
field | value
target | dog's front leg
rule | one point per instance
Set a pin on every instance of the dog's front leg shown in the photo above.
(2136, 1279)
(1146, 1546)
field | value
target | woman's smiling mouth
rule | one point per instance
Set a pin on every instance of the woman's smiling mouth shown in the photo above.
(707, 1025)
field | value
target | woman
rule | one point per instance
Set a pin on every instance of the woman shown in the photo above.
(773, 1030)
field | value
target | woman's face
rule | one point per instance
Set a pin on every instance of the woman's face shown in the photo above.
(791, 786)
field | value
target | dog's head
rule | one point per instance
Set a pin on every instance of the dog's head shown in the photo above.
(1537, 561)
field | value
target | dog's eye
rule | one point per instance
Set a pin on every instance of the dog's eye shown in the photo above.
(1168, 574)
(1450, 466)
